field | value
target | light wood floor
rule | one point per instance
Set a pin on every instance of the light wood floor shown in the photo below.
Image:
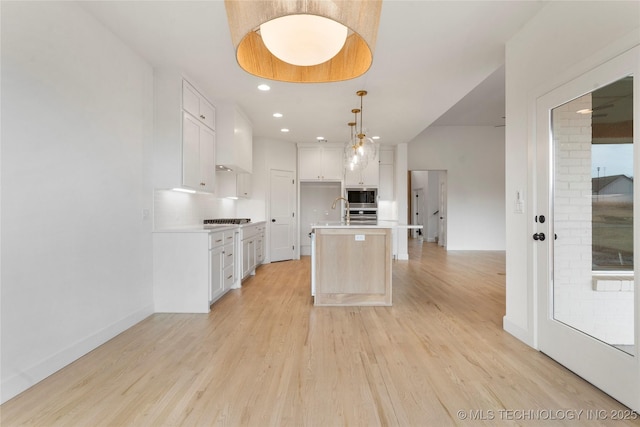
(265, 356)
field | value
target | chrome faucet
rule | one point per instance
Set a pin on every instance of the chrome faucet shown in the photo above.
(333, 206)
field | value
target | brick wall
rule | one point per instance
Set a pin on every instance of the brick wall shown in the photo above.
(607, 316)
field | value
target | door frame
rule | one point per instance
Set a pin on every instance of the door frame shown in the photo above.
(613, 371)
(295, 207)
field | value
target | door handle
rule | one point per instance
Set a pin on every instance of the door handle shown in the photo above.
(539, 236)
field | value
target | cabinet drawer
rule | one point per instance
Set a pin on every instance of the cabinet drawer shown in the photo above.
(229, 236)
(228, 277)
(216, 239)
(229, 255)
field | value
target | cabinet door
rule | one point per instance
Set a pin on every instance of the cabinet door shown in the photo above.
(197, 105)
(190, 99)
(332, 163)
(368, 177)
(207, 161)
(386, 187)
(190, 152)
(243, 185)
(216, 269)
(371, 174)
(309, 163)
(207, 113)
(248, 256)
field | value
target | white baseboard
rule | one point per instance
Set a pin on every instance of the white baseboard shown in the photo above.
(20, 381)
(522, 334)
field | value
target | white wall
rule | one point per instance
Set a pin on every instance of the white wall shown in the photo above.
(316, 199)
(473, 157)
(77, 124)
(563, 41)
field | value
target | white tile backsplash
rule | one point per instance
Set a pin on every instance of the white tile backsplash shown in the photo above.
(174, 209)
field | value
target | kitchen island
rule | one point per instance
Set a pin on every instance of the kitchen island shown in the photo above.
(351, 263)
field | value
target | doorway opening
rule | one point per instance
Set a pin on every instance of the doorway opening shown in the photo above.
(428, 205)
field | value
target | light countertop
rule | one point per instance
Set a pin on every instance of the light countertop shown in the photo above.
(198, 228)
(363, 224)
(206, 228)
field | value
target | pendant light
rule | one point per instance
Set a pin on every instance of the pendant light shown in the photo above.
(304, 41)
(367, 146)
(360, 150)
(354, 159)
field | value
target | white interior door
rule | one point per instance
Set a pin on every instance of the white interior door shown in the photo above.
(442, 224)
(282, 201)
(418, 214)
(585, 227)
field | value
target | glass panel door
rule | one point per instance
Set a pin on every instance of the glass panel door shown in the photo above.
(586, 230)
(593, 282)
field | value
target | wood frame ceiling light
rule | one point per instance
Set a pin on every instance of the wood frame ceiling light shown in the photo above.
(361, 17)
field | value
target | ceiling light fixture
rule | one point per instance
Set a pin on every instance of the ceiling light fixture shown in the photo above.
(264, 87)
(353, 156)
(277, 115)
(284, 130)
(304, 41)
(360, 150)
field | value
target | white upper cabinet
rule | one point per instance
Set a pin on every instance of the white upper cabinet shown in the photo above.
(320, 163)
(234, 144)
(386, 189)
(198, 106)
(367, 177)
(233, 185)
(184, 138)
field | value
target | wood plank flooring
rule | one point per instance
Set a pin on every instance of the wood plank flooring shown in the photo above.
(265, 356)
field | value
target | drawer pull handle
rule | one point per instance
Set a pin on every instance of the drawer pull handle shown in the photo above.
(230, 277)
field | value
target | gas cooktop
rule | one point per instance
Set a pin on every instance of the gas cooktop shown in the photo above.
(227, 221)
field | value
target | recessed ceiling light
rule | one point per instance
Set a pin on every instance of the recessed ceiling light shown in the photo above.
(375, 137)
(319, 138)
(284, 130)
(277, 115)
(585, 111)
(264, 87)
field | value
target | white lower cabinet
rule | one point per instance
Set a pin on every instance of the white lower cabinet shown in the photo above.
(216, 283)
(191, 270)
(223, 254)
(253, 242)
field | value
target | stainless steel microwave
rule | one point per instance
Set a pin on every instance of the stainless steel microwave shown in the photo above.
(362, 197)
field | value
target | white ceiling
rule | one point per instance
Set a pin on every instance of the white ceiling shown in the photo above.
(428, 57)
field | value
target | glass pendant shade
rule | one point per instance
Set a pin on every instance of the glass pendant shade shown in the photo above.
(360, 150)
(303, 40)
(368, 147)
(355, 158)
